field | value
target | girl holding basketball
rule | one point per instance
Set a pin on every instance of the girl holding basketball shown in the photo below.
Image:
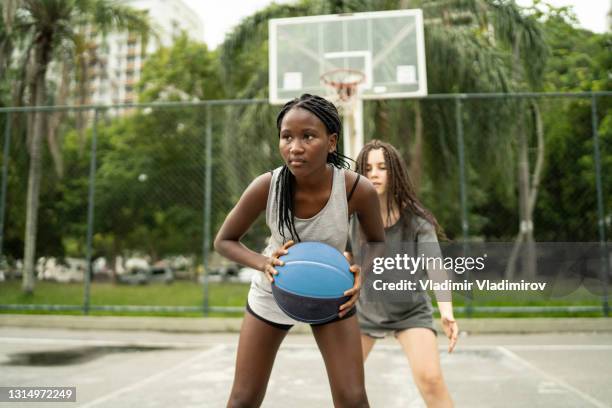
(407, 224)
(309, 198)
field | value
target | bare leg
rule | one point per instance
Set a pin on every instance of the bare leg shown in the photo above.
(420, 346)
(367, 343)
(340, 346)
(257, 349)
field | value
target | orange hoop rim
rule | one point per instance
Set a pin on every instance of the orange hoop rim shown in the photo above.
(345, 89)
(339, 83)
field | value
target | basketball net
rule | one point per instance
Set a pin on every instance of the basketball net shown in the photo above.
(343, 86)
(343, 90)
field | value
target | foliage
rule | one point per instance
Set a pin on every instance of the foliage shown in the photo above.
(150, 183)
(185, 71)
(580, 61)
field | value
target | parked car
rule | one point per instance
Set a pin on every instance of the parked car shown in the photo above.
(227, 271)
(65, 270)
(141, 276)
(161, 274)
(134, 276)
(246, 274)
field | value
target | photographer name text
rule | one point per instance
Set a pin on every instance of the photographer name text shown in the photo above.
(481, 284)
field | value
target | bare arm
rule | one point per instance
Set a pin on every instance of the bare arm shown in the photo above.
(368, 212)
(428, 243)
(364, 204)
(239, 220)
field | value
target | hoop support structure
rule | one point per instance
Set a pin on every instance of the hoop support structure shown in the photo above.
(343, 91)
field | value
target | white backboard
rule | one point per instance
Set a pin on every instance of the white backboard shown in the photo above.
(387, 46)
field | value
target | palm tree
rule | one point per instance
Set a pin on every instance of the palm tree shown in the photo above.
(52, 25)
(6, 34)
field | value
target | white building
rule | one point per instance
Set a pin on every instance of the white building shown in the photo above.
(116, 69)
(610, 17)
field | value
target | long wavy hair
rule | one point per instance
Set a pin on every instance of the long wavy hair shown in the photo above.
(400, 192)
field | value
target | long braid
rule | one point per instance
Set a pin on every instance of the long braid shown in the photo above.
(285, 183)
(400, 192)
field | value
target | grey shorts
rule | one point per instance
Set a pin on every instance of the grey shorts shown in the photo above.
(379, 319)
(382, 333)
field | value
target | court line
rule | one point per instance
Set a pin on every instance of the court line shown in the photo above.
(560, 347)
(549, 377)
(526, 347)
(480, 347)
(144, 381)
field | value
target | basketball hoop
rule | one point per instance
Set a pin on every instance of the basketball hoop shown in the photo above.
(343, 85)
(343, 89)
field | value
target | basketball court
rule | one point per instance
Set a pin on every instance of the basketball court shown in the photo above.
(153, 369)
(350, 58)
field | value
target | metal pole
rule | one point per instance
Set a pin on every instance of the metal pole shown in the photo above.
(5, 159)
(605, 264)
(462, 184)
(90, 211)
(463, 193)
(207, 208)
(353, 128)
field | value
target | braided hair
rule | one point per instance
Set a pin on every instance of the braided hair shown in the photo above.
(285, 184)
(400, 192)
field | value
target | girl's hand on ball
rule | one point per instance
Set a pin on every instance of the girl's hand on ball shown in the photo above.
(273, 260)
(353, 292)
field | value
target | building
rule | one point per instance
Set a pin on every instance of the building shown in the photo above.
(610, 17)
(115, 60)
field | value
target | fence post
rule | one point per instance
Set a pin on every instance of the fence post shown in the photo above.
(463, 193)
(207, 208)
(5, 159)
(601, 226)
(90, 211)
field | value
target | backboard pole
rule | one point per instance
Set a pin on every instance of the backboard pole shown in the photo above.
(353, 128)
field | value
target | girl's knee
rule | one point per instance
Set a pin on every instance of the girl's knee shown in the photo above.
(245, 399)
(352, 398)
(430, 383)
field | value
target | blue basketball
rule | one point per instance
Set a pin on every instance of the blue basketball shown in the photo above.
(310, 285)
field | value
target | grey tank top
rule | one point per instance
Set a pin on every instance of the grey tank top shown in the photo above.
(329, 225)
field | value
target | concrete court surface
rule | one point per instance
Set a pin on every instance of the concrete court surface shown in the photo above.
(155, 369)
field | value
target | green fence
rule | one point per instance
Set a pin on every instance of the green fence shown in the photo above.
(135, 193)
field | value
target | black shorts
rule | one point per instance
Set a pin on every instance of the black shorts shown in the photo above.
(287, 327)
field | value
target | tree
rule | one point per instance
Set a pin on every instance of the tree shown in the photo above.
(51, 25)
(185, 71)
(580, 61)
(7, 34)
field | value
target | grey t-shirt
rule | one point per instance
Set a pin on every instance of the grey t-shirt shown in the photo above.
(396, 310)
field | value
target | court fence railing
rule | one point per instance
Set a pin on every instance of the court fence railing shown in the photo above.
(207, 182)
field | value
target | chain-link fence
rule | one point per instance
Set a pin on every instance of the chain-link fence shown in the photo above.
(131, 196)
